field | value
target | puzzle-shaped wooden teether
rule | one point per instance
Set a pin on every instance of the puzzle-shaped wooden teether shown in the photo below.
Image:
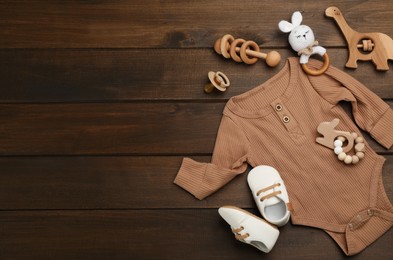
(377, 47)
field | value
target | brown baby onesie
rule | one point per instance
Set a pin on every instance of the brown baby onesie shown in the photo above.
(276, 124)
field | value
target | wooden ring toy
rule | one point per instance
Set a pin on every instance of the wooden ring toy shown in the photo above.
(234, 47)
(229, 47)
(320, 71)
(366, 45)
(247, 46)
(217, 80)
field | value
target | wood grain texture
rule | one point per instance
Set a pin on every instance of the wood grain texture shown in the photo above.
(173, 24)
(129, 75)
(125, 182)
(142, 234)
(118, 129)
(100, 101)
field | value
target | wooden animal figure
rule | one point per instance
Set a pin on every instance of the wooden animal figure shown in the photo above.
(377, 47)
(327, 129)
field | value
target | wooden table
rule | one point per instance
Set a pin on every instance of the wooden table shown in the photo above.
(101, 100)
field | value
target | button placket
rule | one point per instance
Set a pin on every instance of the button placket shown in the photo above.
(287, 120)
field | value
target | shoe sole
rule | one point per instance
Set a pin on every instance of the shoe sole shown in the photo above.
(248, 213)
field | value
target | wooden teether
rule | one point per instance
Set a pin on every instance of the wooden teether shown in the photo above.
(218, 80)
(320, 71)
(302, 40)
(327, 129)
(377, 47)
(249, 51)
(335, 139)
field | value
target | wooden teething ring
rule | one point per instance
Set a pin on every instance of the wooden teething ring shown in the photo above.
(236, 44)
(324, 67)
(245, 46)
(225, 41)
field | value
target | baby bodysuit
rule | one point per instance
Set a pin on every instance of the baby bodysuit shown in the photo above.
(276, 124)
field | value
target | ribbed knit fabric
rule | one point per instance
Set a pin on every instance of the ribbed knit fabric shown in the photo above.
(347, 201)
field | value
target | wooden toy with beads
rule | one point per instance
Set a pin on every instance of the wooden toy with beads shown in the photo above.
(377, 47)
(327, 129)
(335, 140)
(241, 50)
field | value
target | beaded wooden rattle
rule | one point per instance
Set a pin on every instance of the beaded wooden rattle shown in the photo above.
(335, 139)
(302, 40)
(249, 51)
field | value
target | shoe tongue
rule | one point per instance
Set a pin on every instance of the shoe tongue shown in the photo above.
(272, 201)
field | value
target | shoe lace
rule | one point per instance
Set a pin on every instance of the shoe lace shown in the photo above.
(239, 236)
(274, 193)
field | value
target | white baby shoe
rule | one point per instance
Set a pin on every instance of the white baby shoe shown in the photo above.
(249, 228)
(270, 194)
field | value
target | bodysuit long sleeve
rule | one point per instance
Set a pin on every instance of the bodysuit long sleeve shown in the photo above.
(276, 124)
(370, 112)
(228, 160)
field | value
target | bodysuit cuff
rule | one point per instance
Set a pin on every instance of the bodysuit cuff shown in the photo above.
(190, 177)
(383, 129)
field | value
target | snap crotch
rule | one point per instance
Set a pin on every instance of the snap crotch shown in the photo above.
(362, 230)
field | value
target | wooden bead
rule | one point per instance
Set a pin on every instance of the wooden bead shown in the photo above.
(360, 155)
(348, 159)
(355, 159)
(342, 156)
(359, 139)
(354, 135)
(273, 58)
(360, 147)
(341, 138)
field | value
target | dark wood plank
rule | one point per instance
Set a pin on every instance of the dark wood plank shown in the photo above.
(115, 183)
(128, 128)
(157, 234)
(124, 75)
(174, 24)
(121, 128)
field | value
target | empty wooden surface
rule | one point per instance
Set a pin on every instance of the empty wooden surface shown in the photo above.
(101, 100)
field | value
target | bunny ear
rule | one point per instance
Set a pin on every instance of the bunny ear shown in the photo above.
(296, 18)
(285, 26)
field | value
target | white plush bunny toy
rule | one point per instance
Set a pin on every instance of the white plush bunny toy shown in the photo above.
(301, 38)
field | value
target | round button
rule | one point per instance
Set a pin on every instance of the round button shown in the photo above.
(285, 119)
(278, 107)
